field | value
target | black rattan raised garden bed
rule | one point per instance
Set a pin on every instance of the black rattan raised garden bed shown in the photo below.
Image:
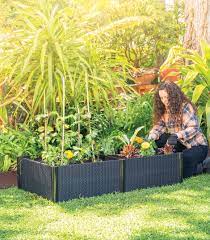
(72, 181)
(157, 170)
(91, 179)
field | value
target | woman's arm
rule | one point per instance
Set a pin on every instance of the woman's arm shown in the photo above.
(190, 124)
(157, 130)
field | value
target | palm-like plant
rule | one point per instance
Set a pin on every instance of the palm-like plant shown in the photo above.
(49, 45)
(34, 54)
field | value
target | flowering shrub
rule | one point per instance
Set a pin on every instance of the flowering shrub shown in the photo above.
(136, 146)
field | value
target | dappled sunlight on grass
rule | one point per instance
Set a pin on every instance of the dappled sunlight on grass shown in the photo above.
(172, 212)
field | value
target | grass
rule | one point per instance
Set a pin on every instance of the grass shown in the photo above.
(174, 212)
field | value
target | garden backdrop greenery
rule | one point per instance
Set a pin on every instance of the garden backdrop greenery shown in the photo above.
(65, 74)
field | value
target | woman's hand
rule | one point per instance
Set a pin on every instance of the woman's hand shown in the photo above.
(152, 137)
(179, 135)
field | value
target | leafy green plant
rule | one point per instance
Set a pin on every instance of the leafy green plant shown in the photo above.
(83, 153)
(17, 143)
(83, 145)
(129, 149)
(137, 146)
(137, 112)
(6, 163)
(52, 155)
(130, 141)
(110, 144)
(59, 64)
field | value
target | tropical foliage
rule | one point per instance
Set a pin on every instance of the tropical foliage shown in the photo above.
(64, 73)
(197, 82)
(196, 78)
(50, 53)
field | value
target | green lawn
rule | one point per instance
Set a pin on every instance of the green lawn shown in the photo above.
(175, 212)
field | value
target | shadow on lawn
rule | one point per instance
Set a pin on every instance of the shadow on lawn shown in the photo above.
(15, 207)
(13, 234)
(8, 234)
(152, 234)
(13, 198)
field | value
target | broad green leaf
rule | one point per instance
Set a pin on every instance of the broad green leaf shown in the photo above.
(197, 92)
(191, 75)
(6, 163)
(201, 111)
(205, 48)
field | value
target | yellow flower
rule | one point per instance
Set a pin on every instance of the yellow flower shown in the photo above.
(145, 145)
(69, 154)
(139, 140)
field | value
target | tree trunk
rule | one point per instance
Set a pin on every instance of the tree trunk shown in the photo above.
(197, 18)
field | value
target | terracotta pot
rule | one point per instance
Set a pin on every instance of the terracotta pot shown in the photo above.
(172, 74)
(142, 88)
(8, 179)
(146, 78)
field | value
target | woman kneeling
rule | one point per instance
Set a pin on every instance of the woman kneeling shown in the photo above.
(176, 123)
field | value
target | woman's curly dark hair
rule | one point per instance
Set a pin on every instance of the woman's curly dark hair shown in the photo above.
(176, 100)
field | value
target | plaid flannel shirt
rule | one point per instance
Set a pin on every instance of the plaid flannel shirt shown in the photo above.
(189, 129)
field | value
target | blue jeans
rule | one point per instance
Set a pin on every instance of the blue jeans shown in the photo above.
(191, 157)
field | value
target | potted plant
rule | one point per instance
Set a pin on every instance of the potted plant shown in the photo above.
(170, 73)
(143, 88)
